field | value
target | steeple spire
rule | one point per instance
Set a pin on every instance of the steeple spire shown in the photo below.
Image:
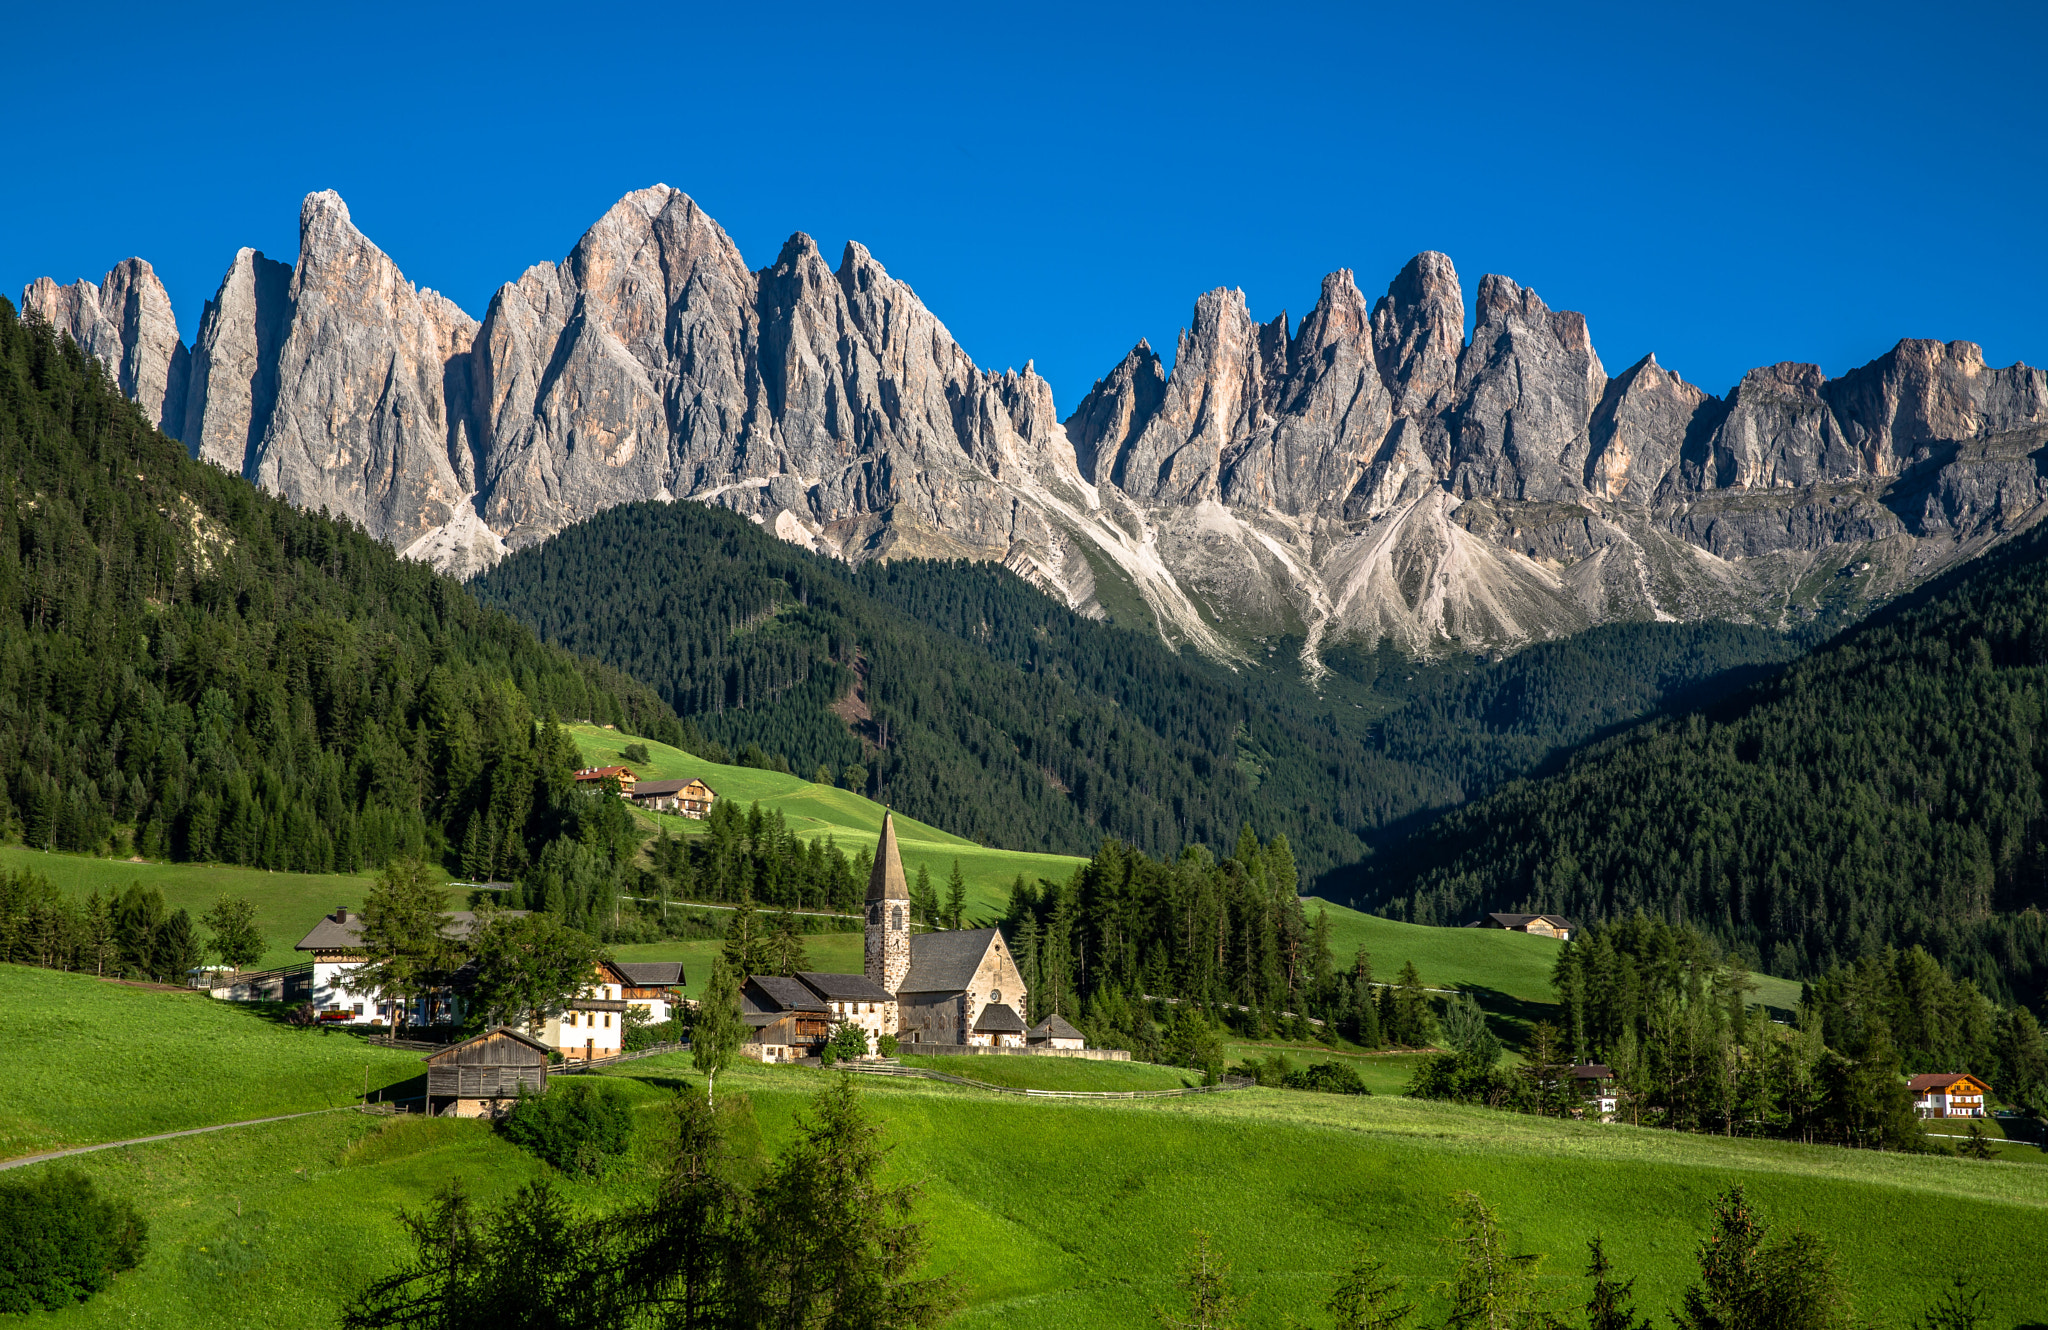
(888, 927)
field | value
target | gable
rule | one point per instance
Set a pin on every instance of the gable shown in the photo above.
(947, 962)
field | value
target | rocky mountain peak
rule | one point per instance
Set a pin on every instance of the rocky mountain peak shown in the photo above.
(126, 322)
(1418, 333)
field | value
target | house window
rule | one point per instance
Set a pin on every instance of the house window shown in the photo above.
(358, 1009)
(607, 1020)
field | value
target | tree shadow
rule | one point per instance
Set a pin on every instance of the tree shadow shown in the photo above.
(1512, 1019)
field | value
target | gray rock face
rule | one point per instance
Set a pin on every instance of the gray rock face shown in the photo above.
(125, 322)
(234, 362)
(1370, 475)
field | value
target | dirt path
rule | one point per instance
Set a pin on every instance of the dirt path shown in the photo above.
(161, 1136)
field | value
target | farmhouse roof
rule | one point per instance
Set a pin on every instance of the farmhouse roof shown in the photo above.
(886, 881)
(647, 789)
(1939, 1081)
(1055, 1026)
(1592, 1071)
(651, 974)
(343, 930)
(604, 773)
(844, 987)
(787, 994)
(453, 1051)
(999, 1018)
(946, 962)
(1499, 920)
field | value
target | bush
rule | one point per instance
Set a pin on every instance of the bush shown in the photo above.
(580, 1126)
(60, 1241)
(828, 1054)
(1328, 1078)
(886, 1045)
(850, 1041)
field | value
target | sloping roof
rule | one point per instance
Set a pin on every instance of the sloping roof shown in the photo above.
(498, 1030)
(787, 994)
(945, 962)
(653, 788)
(600, 773)
(999, 1018)
(343, 930)
(651, 974)
(886, 881)
(1592, 1071)
(1524, 920)
(844, 987)
(1938, 1081)
(1055, 1026)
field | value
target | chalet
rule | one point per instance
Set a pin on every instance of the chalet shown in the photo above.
(1949, 1095)
(336, 944)
(655, 985)
(788, 1019)
(1054, 1032)
(1595, 1085)
(854, 999)
(688, 798)
(481, 1077)
(592, 1024)
(597, 776)
(1542, 925)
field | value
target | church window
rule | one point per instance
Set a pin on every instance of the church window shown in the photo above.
(996, 996)
(896, 917)
(875, 913)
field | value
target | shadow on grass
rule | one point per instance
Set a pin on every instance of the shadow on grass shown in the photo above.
(1512, 1019)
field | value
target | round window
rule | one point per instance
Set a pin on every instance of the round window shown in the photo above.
(996, 996)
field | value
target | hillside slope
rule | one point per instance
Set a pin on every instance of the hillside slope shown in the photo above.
(1887, 790)
(195, 670)
(966, 698)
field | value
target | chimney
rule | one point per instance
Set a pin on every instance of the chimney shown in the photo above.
(341, 914)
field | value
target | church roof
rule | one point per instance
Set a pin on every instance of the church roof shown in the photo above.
(886, 882)
(844, 987)
(945, 962)
(787, 994)
(999, 1018)
(1054, 1026)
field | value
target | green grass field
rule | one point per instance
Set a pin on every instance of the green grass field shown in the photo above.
(100, 1061)
(1025, 1073)
(1055, 1213)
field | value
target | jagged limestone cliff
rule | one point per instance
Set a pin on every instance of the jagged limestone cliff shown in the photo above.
(1369, 475)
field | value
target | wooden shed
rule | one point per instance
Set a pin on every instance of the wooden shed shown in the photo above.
(481, 1077)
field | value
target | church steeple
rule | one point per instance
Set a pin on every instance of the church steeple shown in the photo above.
(888, 931)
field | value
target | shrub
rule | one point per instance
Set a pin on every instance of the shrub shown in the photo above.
(638, 1037)
(828, 1054)
(580, 1126)
(1327, 1077)
(850, 1041)
(886, 1045)
(60, 1241)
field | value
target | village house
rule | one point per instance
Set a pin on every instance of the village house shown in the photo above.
(1595, 1086)
(687, 798)
(624, 776)
(854, 999)
(655, 985)
(336, 945)
(1054, 1032)
(481, 1077)
(1950, 1095)
(788, 1021)
(1542, 925)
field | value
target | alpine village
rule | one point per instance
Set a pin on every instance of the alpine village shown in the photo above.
(651, 789)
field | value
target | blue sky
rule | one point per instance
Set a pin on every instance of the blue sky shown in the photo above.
(1726, 185)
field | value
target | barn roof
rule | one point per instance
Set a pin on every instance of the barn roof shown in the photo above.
(786, 994)
(1055, 1026)
(999, 1018)
(844, 987)
(945, 962)
(1499, 920)
(651, 974)
(449, 1054)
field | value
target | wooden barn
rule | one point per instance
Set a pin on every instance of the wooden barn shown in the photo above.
(481, 1077)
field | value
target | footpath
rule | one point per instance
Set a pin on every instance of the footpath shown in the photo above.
(167, 1136)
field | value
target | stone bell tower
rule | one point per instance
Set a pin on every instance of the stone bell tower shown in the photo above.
(888, 941)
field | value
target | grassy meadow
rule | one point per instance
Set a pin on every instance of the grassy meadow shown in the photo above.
(1027, 1073)
(102, 1061)
(1055, 1213)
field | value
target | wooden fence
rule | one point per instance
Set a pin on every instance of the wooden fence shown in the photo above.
(925, 1073)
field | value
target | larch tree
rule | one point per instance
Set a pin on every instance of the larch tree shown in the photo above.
(718, 1030)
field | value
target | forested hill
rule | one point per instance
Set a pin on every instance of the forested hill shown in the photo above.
(963, 696)
(192, 669)
(1886, 790)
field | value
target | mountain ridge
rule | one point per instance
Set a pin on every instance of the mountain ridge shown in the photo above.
(1371, 474)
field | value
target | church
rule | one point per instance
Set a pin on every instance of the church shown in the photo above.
(958, 987)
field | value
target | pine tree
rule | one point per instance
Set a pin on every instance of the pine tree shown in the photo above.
(403, 937)
(743, 950)
(956, 897)
(1212, 1304)
(1493, 1288)
(1364, 1298)
(1609, 1305)
(1748, 1282)
(236, 942)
